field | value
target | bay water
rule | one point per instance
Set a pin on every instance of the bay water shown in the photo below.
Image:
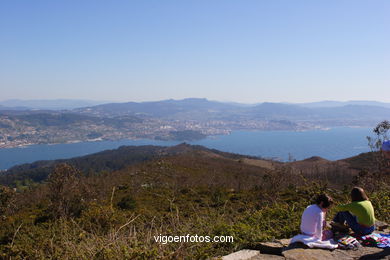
(332, 144)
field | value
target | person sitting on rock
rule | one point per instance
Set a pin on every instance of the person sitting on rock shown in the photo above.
(313, 224)
(359, 214)
(313, 218)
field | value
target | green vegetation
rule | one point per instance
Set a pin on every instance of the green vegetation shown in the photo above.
(116, 214)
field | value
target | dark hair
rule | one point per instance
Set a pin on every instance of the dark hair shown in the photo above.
(358, 194)
(326, 200)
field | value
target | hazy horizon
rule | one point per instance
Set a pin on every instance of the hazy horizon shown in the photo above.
(158, 100)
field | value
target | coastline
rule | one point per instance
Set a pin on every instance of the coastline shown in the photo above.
(207, 136)
(346, 141)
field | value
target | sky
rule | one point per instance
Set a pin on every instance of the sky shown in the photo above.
(243, 51)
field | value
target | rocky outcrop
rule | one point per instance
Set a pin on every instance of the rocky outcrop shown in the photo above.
(321, 254)
(282, 249)
(279, 250)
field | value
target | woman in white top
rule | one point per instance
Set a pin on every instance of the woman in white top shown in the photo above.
(313, 218)
(313, 224)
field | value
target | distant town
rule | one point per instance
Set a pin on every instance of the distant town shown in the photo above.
(16, 133)
(181, 120)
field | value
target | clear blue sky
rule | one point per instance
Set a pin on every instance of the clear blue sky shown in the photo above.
(245, 51)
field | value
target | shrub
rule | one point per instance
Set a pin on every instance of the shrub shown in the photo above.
(65, 192)
(127, 202)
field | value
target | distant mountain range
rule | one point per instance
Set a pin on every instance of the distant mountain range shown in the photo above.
(203, 109)
(164, 108)
(324, 113)
(57, 104)
(179, 105)
(345, 103)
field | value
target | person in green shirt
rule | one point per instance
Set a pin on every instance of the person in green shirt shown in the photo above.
(359, 214)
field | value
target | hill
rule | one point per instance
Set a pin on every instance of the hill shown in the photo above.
(106, 161)
(194, 108)
(113, 204)
(337, 172)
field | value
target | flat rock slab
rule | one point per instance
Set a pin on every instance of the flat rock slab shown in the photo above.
(273, 248)
(321, 254)
(247, 254)
(309, 254)
(270, 257)
(276, 247)
(282, 249)
(244, 254)
(298, 251)
(364, 253)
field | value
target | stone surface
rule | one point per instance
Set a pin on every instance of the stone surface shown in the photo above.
(309, 254)
(268, 257)
(282, 249)
(273, 248)
(365, 253)
(381, 226)
(285, 241)
(291, 253)
(321, 254)
(247, 254)
(244, 254)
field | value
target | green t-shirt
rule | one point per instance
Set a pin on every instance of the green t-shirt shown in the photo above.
(363, 210)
